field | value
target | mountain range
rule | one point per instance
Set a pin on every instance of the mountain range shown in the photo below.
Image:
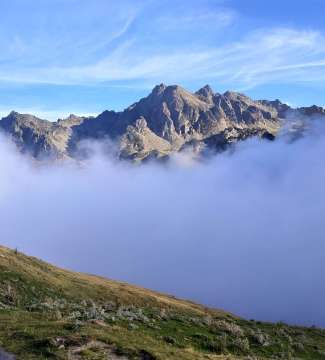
(168, 120)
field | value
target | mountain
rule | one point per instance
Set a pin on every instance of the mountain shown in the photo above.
(50, 313)
(167, 120)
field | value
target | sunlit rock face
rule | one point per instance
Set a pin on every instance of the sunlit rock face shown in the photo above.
(167, 120)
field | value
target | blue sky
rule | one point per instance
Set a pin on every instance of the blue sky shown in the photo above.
(81, 56)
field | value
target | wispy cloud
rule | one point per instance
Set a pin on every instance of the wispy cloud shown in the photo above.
(217, 19)
(154, 42)
(67, 33)
(282, 55)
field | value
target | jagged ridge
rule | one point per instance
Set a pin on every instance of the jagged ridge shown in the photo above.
(165, 121)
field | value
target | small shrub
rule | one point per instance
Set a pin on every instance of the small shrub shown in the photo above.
(241, 345)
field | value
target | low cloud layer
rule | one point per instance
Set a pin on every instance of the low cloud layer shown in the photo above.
(241, 231)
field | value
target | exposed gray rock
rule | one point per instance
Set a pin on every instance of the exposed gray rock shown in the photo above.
(105, 351)
(167, 120)
(139, 142)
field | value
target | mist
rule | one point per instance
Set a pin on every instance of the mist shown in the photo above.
(242, 231)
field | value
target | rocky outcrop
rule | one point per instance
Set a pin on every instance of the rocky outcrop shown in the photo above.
(165, 121)
(39, 138)
(139, 142)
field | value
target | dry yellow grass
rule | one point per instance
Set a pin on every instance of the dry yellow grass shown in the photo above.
(74, 283)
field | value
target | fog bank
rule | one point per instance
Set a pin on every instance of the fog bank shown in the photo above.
(242, 231)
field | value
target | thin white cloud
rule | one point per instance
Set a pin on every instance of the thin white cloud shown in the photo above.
(265, 56)
(214, 19)
(67, 35)
(286, 55)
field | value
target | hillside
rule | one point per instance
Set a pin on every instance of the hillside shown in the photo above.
(167, 120)
(50, 313)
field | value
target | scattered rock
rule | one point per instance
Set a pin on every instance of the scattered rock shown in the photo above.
(75, 353)
(230, 327)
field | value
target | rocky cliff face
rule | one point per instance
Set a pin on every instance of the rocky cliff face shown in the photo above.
(41, 139)
(167, 120)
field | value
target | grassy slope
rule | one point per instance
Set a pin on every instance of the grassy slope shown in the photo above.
(46, 312)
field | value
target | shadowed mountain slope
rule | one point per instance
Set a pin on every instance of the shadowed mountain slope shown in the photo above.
(165, 121)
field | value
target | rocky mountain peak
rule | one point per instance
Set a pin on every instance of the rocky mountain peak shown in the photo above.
(165, 121)
(23, 120)
(14, 116)
(233, 95)
(158, 89)
(313, 110)
(167, 93)
(206, 92)
(71, 120)
(72, 117)
(13, 113)
(141, 124)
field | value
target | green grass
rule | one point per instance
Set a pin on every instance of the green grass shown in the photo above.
(50, 313)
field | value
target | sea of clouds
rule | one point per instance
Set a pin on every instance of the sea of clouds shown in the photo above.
(243, 230)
